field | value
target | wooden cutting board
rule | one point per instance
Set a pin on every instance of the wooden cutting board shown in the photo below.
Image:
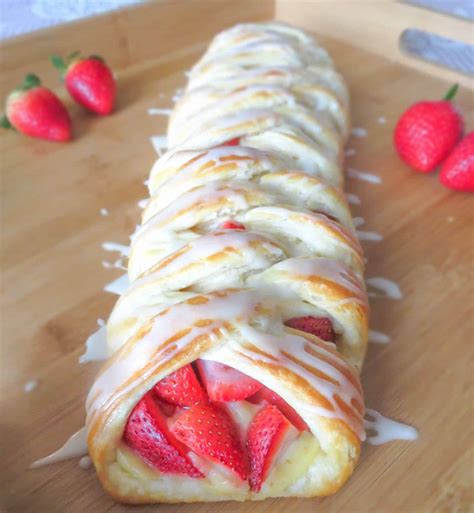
(52, 233)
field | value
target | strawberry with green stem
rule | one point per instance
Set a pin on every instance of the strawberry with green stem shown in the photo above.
(427, 132)
(36, 111)
(89, 81)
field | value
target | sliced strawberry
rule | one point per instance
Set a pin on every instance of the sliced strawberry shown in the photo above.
(223, 383)
(267, 396)
(148, 435)
(232, 225)
(208, 430)
(321, 327)
(265, 437)
(232, 142)
(181, 388)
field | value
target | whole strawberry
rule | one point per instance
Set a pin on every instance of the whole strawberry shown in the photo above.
(36, 111)
(458, 169)
(427, 132)
(89, 81)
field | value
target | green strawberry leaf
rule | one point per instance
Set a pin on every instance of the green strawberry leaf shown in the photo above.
(58, 62)
(451, 93)
(30, 81)
(5, 122)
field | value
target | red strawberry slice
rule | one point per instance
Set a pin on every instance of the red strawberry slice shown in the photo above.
(321, 327)
(36, 111)
(427, 131)
(181, 388)
(458, 169)
(89, 81)
(265, 437)
(267, 396)
(223, 383)
(147, 434)
(232, 225)
(208, 430)
(232, 142)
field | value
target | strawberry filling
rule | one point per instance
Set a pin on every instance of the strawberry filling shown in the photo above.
(267, 396)
(265, 437)
(232, 225)
(180, 415)
(209, 431)
(223, 383)
(148, 435)
(232, 142)
(320, 327)
(181, 388)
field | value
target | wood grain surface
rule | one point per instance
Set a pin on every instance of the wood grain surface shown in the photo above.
(52, 277)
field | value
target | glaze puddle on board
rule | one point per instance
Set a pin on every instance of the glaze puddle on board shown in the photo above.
(96, 345)
(372, 236)
(388, 288)
(359, 132)
(385, 429)
(30, 385)
(160, 143)
(74, 447)
(363, 175)
(85, 463)
(118, 286)
(115, 246)
(377, 337)
(358, 221)
(160, 112)
(118, 264)
(143, 203)
(104, 212)
(353, 199)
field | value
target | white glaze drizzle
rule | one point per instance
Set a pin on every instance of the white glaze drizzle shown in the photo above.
(75, 446)
(378, 337)
(358, 221)
(388, 288)
(104, 212)
(96, 345)
(381, 120)
(143, 202)
(363, 175)
(386, 430)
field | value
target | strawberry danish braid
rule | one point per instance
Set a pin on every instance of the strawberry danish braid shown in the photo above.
(235, 352)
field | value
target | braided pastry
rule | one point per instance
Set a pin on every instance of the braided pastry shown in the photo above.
(235, 351)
